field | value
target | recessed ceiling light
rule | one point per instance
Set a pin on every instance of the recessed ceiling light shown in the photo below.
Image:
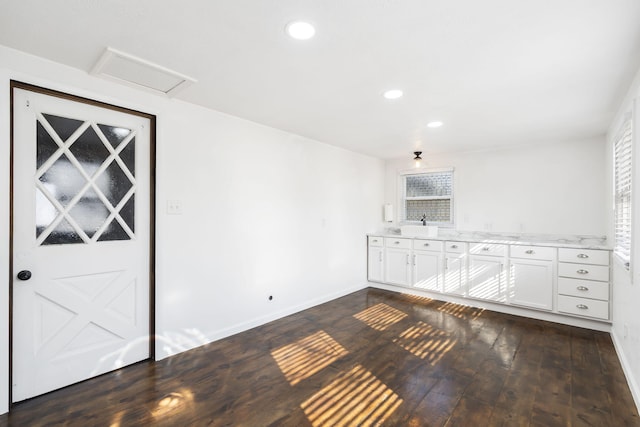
(300, 30)
(436, 124)
(393, 94)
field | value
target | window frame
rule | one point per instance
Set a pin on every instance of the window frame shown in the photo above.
(402, 196)
(623, 171)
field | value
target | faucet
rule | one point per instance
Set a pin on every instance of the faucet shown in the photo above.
(424, 219)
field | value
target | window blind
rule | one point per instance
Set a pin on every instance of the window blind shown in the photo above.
(623, 183)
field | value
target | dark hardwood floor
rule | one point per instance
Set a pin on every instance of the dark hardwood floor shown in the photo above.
(370, 358)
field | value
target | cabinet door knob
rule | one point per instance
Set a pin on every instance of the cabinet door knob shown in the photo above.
(529, 252)
(582, 307)
(583, 256)
(582, 288)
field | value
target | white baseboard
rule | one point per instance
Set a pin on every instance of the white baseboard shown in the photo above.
(626, 368)
(258, 321)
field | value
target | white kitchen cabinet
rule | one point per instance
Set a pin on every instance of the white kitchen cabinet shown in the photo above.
(397, 261)
(531, 283)
(376, 264)
(454, 274)
(487, 278)
(427, 270)
(397, 266)
(564, 281)
(375, 259)
(455, 268)
(583, 283)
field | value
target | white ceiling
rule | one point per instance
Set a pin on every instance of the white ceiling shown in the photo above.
(496, 72)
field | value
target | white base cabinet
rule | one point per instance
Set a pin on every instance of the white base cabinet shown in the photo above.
(427, 271)
(455, 268)
(560, 280)
(376, 264)
(583, 288)
(487, 278)
(375, 259)
(397, 266)
(454, 274)
(531, 283)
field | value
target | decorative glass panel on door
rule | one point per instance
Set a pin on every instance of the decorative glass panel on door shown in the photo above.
(85, 181)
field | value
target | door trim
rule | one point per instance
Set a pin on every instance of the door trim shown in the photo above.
(14, 84)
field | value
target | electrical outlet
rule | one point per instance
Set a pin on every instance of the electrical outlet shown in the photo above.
(174, 207)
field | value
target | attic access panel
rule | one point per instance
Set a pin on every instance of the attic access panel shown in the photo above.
(125, 68)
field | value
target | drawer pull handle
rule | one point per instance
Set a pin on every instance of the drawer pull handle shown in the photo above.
(426, 244)
(374, 241)
(583, 256)
(529, 252)
(582, 307)
(582, 272)
(396, 243)
(485, 249)
(582, 288)
(454, 246)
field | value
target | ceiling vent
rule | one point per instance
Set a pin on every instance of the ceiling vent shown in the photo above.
(137, 72)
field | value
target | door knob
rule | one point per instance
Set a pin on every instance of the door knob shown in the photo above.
(24, 275)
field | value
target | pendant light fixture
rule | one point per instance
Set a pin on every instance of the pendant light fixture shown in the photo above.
(417, 158)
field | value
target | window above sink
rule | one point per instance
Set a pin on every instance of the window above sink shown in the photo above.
(428, 194)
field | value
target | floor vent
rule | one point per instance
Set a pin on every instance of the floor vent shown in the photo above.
(137, 72)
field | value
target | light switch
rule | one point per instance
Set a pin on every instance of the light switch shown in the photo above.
(174, 207)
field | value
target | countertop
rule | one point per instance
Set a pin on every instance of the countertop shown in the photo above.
(557, 241)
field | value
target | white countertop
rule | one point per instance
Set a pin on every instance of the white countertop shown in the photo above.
(557, 241)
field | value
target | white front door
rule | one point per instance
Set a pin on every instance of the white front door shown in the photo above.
(81, 241)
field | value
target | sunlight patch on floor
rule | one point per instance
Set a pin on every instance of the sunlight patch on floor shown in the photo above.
(305, 357)
(355, 398)
(461, 311)
(380, 316)
(426, 342)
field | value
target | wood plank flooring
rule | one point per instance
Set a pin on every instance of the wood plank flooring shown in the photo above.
(370, 358)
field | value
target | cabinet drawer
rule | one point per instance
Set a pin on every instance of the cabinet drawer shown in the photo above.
(428, 245)
(583, 307)
(584, 256)
(533, 252)
(583, 288)
(491, 249)
(391, 242)
(583, 271)
(454, 247)
(376, 241)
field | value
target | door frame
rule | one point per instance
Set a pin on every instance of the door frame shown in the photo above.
(14, 84)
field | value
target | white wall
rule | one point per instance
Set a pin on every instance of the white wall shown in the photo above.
(265, 213)
(626, 287)
(551, 188)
